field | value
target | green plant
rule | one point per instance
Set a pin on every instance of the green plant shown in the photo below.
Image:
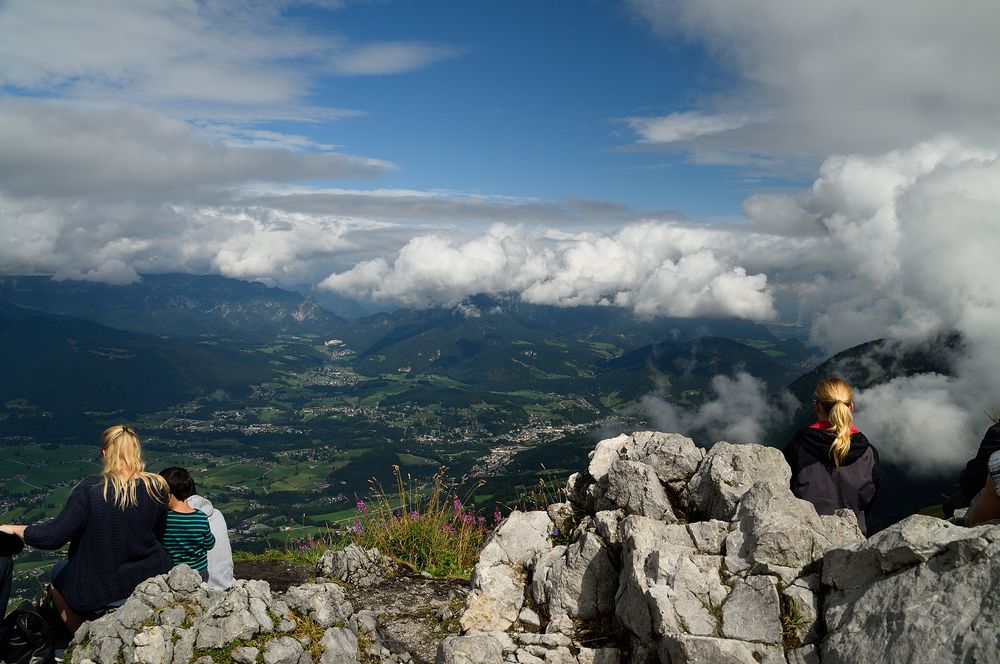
(429, 527)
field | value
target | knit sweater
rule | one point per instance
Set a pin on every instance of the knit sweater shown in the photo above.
(111, 550)
(188, 538)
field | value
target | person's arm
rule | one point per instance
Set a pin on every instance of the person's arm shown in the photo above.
(988, 505)
(11, 529)
(209, 540)
(53, 534)
(973, 477)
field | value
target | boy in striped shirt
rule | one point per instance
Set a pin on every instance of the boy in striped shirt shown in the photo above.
(186, 536)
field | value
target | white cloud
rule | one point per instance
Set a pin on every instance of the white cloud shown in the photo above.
(61, 150)
(224, 56)
(741, 411)
(389, 58)
(842, 76)
(652, 268)
(678, 127)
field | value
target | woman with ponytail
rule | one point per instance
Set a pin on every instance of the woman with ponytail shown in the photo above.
(109, 522)
(833, 464)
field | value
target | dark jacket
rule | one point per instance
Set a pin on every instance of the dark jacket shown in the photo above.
(817, 479)
(111, 550)
(973, 478)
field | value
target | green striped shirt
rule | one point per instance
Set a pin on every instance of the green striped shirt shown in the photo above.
(188, 539)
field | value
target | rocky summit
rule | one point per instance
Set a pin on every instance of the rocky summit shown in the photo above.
(663, 552)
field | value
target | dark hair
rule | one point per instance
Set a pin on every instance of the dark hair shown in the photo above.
(180, 481)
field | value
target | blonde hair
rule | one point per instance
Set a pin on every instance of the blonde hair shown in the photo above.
(123, 467)
(836, 398)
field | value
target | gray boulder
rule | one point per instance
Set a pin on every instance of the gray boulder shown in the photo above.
(354, 565)
(686, 649)
(673, 457)
(923, 591)
(582, 582)
(728, 471)
(635, 488)
(472, 649)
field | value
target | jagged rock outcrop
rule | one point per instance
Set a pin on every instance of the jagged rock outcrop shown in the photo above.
(684, 556)
(177, 619)
(663, 554)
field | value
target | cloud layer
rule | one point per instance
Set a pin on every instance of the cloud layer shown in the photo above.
(836, 77)
(654, 269)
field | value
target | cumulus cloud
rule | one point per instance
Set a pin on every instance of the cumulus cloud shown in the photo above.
(840, 76)
(653, 268)
(740, 411)
(899, 245)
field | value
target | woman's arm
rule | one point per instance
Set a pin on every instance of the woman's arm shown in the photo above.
(53, 534)
(11, 529)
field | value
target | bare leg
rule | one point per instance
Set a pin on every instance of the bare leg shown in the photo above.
(67, 614)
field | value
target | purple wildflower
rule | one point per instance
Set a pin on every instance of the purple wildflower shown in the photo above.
(482, 522)
(450, 529)
(356, 527)
(415, 515)
(456, 505)
(555, 532)
(497, 518)
(468, 518)
(361, 506)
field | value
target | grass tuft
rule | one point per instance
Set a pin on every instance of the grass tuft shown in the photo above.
(428, 527)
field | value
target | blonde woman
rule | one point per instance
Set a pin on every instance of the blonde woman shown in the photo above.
(109, 522)
(833, 464)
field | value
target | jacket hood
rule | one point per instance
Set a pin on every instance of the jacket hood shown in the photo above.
(817, 442)
(203, 504)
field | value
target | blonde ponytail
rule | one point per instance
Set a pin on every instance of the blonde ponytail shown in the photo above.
(123, 467)
(836, 398)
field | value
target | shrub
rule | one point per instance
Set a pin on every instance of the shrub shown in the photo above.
(429, 527)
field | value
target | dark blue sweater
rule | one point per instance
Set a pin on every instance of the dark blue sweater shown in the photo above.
(111, 550)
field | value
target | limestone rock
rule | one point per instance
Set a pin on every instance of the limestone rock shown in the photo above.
(728, 471)
(354, 565)
(472, 649)
(285, 650)
(685, 649)
(582, 582)
(519, 540)
(685, 593)
(635, 488)
(324, 603)
(753, 611)
(802, 605)
(673, 457)
(777, 529)
(933, 603)
(604, 454)
(496, 598)
(340, 646)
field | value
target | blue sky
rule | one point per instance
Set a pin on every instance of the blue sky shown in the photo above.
(531, 103)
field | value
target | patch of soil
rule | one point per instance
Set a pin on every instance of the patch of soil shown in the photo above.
(416, 612)
(279, 574)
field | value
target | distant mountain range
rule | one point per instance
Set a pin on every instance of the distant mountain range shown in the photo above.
(68, 365)
(177, 305)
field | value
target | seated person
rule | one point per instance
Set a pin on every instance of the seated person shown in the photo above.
(987, 504)
(109, 521)
(10, 545)
(186, 535)
(220, 556)
(973, 478)
(833, 464)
